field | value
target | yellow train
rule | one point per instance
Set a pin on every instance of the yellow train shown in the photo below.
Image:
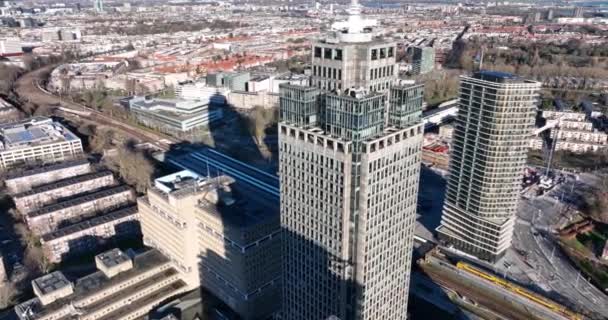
(520, 291)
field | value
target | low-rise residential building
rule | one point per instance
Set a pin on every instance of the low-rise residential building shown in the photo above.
(40, 196)
(564, 115)
(572, 131)
(173, 116)
(288, 78)
(124, 287)
(36, 140)
(235, 81)
(10, 47)
(87, 236)
(200, 91)
(435, 152)
(24, 180)
(51, 217)
(219, 236)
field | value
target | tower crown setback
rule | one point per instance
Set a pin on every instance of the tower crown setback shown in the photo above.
(355, 29)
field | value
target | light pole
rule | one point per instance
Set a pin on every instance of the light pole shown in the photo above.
(534, 218)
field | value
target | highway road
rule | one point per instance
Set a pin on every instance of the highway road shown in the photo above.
(549, 268)
(27, 88)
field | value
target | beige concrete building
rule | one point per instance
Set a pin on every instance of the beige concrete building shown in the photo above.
(218, 237)
(51, 217)
(86, 236)
(18, 181)
(36, 140)
(123, 288)
(40, 196)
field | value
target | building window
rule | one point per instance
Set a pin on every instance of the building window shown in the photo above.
(317, 52)
(390, 52)
(327, 54)
(374, 54)
(335, 74)
(382, 53)
(338, 55)
(339, 74)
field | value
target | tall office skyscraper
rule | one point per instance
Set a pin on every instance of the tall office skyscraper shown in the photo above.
(489, 150)
(98, 5)
(423, 60)
(349, 153)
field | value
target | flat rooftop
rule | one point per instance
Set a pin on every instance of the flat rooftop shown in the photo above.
(238, 205)
(64, 183)
(113, 258)
(97, 281)
(50, 168)
(244, 210)
(33, 132)
(51, 282)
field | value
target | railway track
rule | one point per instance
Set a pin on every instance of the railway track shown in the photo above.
(481, 298)
(28, 89)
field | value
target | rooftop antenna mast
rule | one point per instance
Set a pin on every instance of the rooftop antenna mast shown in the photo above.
(481, 60)
(208, 173)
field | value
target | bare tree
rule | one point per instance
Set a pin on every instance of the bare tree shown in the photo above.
(35, 260)
(133, 166)
(258, 120)
(101, 140)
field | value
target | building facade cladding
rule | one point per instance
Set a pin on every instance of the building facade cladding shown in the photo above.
(339, 66)
(21, 181)
(86, 236)
(406, 105)
(173, 115)
(315, 211)
(354, 118)
(299, 104)
(52, 152)
(168, 224)
(40, 196)
(239, 264)
(348, 201)
(36, 140)
(49, 218)
(490, 142)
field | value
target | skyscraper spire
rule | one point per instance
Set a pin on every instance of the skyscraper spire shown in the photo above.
(355, 29)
